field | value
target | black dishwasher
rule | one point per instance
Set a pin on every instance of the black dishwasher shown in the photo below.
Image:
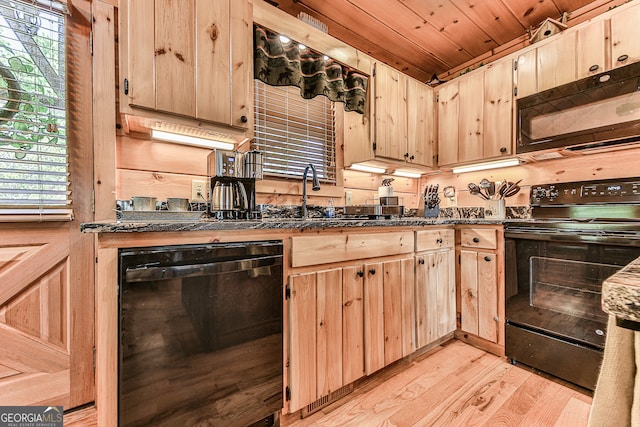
(200, 334)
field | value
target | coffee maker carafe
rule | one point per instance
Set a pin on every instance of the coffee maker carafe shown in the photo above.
(228, 195)
(232, 196)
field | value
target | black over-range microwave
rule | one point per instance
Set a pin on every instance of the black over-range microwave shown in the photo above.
(595, 112)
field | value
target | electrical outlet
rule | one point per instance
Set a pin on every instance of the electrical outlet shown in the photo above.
(199, 191)
(347, 197)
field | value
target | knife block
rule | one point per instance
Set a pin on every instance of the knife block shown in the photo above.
(431, 212)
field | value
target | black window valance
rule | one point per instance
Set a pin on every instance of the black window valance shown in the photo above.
(279, 63)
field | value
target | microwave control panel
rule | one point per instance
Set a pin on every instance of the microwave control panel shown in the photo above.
(575, 193)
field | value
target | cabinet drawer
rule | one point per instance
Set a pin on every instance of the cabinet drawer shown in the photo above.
(427, 240)
(325, 249)
(484, 238)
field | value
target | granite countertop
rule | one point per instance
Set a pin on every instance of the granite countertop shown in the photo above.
(621, 293)
(269, 224)
(287, 218)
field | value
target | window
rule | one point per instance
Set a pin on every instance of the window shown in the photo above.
(33, 148)
(293, 132)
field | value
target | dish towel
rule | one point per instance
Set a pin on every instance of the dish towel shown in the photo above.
(616, 401)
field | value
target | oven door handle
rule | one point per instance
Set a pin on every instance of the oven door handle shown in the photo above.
(250, 265)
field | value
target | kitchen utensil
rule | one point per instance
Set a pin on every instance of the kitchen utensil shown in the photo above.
(510, 186)
(484, 187)
(475, 190)
(178, 204)
(144, 203)
(501, 189)
(513, 190)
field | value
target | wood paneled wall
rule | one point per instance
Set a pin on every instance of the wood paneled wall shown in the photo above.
(152, 168)
(617, 164)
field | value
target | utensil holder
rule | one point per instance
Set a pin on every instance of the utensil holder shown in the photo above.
(495, 209)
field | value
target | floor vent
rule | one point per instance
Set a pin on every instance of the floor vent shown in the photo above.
(326, 400)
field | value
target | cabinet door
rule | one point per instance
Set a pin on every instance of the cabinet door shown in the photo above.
(471, 122)
(469, 291)
(487, 292)
(373, 318)
(498, 104)
(352, 324)
(557, 62)
(390, 111)
(448, 104)
(591, 49)
(328, 331)
(527, 74)
(435, 296)
(302, 340)
(392, 311)
(160, 62)
(213, 50)
(408, 306)
(420, 118)
(446, 294)
(625, 43)
(140, 52)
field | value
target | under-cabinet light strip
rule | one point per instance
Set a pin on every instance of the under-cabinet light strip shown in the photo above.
(365, 168)
(488, 165)
(190, 140)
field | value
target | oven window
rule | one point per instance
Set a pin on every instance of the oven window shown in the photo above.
(568, 287)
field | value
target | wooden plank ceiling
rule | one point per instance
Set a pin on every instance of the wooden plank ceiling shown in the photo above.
(427, 37)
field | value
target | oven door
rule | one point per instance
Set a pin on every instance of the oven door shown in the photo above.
(553, 284)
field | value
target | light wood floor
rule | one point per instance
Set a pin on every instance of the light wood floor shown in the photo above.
(454, 385)
(457, 385)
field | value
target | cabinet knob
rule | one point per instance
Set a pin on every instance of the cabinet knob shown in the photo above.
(476, 240)
(244, 119)
(421, 261)
(406, 155)
(439, 240)
(412, 157)
(496, 318)
(623, 58)
(503, 149)
(594, 67)
(487, 258)
(360, 273)
(372, 271)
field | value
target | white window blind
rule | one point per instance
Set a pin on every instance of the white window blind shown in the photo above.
(33, 149)
(293, 132)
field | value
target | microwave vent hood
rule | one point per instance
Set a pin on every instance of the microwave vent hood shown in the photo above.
(594, 114)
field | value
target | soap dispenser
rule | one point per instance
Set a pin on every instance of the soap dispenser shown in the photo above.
(330, 212)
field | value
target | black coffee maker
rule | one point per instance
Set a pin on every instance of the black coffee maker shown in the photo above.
(231, 196)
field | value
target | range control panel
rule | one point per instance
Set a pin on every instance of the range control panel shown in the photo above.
(586, 192)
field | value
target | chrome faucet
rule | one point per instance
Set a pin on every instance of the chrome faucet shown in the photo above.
(315, 186)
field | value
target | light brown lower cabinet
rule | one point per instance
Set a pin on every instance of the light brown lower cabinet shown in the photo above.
(435, 285)
(347, 322)
(481, 306)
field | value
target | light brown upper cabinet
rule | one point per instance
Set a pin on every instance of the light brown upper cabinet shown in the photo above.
(591, 49)
(403, 122)
(190, 58)
(475, 115)
(606, 42)
(625, 45)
